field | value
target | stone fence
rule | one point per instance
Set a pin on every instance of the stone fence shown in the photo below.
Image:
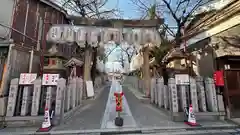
(174, 98)
(26, 103)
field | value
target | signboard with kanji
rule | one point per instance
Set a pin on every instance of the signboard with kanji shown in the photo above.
(50, 79)
(218, 78)
(27, 78)
(182, 79)
(90, 89)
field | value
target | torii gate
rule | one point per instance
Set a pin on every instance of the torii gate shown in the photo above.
(88, 33)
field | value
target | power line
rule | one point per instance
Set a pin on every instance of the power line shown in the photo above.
(19, 32)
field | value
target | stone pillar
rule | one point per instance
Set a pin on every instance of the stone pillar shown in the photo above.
(201, 92)
(165, 96)
(173, 96)
(194, 96)
(155, 91)
(220, 103)
(211, 94)
(36, 97)
(80, 90)
(49, 97)
(59, 108)
(77, 91)
(12, 97)
(152, 96)
(73, 89)
(160, 89)
(68, 96)
(183, 89)
(25, 100)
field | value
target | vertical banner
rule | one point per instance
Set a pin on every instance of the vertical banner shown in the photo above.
(218, 78)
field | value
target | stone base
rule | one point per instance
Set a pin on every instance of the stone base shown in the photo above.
(3, 103)
(27, 121)
(33, 121)
(200, 116)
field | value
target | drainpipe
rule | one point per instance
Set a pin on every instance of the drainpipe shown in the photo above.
(25, 25)
(31, 61)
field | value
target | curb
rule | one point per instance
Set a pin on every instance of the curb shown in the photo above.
(130, 130)
(233, 122)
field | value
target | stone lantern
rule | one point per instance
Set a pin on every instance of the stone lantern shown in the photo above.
(54, 62)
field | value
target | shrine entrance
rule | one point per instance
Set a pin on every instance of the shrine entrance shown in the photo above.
(232, 83)
(233, 87)
(92, 34)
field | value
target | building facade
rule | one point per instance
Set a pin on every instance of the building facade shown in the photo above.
(215, 41)
(23, 28)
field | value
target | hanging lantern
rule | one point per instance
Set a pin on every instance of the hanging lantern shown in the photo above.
(81, 34)
(102, 35)
(137, 36)
(93, 34)
(111, 34)
(68, 34)
(128, 35)
(54, 34)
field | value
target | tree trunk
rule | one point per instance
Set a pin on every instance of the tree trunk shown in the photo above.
(178, 38)
(94, 70)
(87, 65)
(146, 71)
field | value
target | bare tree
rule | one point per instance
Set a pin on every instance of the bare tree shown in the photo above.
(89, 8)
(179, 11)
(129, 52)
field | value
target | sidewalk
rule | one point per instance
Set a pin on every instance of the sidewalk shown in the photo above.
(151, 116)
(89, 116)
(70, 121)
(139, 95)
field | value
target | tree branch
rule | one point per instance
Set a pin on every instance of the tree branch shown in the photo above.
(171, 11)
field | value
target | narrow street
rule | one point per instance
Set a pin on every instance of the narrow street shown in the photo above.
(99, 116)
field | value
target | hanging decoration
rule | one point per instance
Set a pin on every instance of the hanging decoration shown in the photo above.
(93, 35)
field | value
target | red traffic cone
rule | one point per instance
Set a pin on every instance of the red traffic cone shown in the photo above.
(191, 120)
(46, 124)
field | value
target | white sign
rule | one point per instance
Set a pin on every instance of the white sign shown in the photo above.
(50, 79)
(27, 78)
(182, 79)
(90, 90)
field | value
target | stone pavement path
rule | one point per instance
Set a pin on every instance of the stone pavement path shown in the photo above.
(100, 115)
(88, 117)
(110, 112)
(146, 115)
(139, 109)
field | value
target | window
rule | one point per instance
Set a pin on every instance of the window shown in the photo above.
(46, 61)
(53, 62)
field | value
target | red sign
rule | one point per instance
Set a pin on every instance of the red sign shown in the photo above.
(118, 101)
(218, 78)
